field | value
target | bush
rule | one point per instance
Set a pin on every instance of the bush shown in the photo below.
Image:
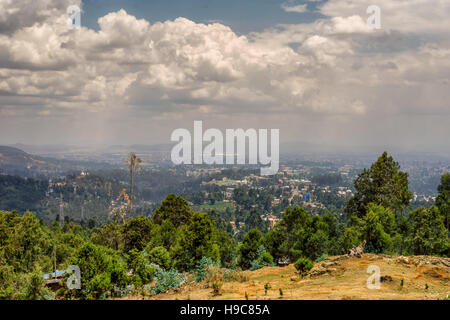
(322, 257)
(160, 256)
(142, 270)
(166, 280)
(303, 265)
(263, 259)
(10, 282)
(102, 270)
(34, 289)
(202, 268)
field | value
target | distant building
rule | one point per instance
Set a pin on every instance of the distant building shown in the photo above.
(54, 280)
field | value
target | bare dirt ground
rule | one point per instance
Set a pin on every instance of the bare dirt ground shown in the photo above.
(337, 278)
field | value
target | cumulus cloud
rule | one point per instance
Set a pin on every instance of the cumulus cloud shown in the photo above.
(418, 16)
(131, 72)
(16, 14)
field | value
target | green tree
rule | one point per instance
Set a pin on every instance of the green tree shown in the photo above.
(377, 227)
(316, 244)
(254, 220)
(11, 283)
(382, 184)
(109, 235)
(101, 269)
(137, 233)
(292, 227)
(34, 289)
(248, 251)
(300, 234)
(23, 241)
(161, 257)
(174, 208)
(303, 265)
(263, 258)
(227, 248)
(139, 264)
(195, 240)
(273, 241)
(164, 235)
(427, 234)
(377, 240)
(351, 237)
(443, 199)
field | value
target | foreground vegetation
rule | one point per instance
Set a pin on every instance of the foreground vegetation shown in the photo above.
(152, 255)
(336, 278)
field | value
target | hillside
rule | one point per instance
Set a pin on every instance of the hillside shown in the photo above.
(337, 278)
(14, 161)
(21, 194)
(13, 157)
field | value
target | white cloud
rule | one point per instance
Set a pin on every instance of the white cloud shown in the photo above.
(418, 16)
(135, 72)
(16, 14)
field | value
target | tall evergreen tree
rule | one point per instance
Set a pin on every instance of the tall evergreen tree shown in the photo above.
(383, 184)
(174, 208)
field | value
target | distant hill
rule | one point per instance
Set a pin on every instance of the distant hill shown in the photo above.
(14, 161)
(81, 194)
(21, 194)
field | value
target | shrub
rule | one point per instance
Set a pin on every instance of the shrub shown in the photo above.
(266, 288)
(166, 280)
(11, 283)
(303, 265)
(322, 257)
(160, 256)
(124, 292)
(142, 271)
(217, 286)
(203, 268)
(263, 259)
(101, 271)
(34, 289)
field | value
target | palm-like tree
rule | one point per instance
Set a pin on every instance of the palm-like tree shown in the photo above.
(133, 165)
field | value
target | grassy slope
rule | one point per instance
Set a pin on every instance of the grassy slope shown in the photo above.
(344, 280)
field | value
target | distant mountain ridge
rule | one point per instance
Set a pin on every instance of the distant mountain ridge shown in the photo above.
(14, 157)
(14, 161)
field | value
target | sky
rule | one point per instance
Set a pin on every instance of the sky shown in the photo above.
(137, 70)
